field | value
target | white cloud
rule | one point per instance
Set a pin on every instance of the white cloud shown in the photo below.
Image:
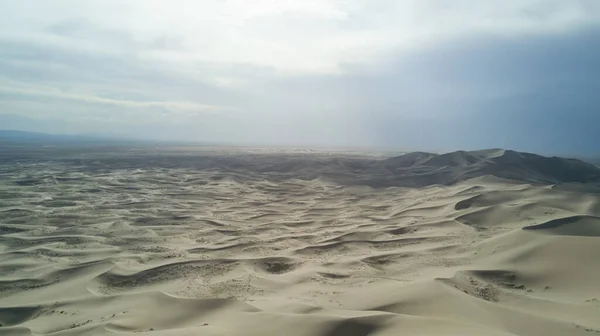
(173, 106)
(272, 69)
(292, 36)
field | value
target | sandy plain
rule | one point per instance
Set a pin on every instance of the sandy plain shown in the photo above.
(181, 241)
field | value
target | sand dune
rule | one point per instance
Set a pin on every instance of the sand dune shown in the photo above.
(253, 242)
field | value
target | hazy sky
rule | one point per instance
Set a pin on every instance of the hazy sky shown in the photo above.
(423, 74)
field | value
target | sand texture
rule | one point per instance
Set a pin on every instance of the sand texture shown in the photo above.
(178, 241)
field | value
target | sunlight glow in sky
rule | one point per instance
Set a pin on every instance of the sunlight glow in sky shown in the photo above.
(412, 73)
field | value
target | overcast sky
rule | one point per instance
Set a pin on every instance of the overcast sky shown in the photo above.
(416, 74)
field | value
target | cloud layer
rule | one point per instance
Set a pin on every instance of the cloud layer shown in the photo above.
(420, 74)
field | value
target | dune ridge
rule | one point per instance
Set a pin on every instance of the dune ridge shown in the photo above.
(240, 242)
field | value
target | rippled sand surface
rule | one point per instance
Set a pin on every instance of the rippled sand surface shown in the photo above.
(101, 245)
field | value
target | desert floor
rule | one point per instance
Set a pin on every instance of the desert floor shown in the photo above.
(175, 250)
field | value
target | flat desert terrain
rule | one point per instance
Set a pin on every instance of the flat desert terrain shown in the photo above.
(201, 241)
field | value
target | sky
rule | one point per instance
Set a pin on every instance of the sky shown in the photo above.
(409, 74)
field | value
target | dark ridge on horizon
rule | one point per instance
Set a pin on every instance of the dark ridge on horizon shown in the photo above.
(95, 140)
(415, 169)
(32, 137)
(458, 166)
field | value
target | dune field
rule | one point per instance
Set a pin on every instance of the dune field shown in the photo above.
(188, 241)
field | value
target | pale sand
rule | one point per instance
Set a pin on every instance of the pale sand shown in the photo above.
(181, 251)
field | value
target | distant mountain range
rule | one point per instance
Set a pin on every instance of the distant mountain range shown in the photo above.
(23, 136)
(408, 170)
(422, 169)
(461, 165)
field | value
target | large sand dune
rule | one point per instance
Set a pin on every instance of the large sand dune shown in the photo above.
(237, 242)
